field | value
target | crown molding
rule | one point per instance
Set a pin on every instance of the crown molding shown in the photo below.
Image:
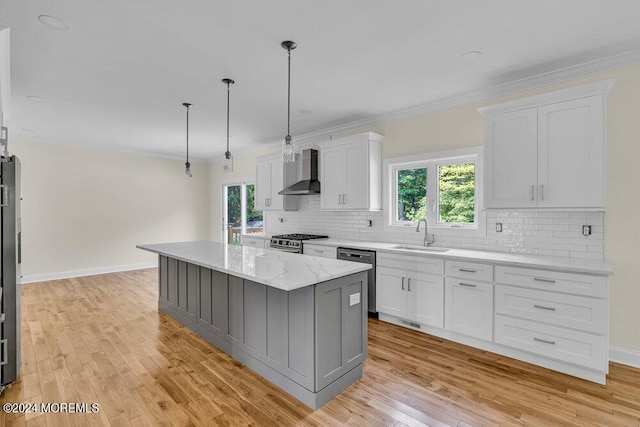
(540, 80)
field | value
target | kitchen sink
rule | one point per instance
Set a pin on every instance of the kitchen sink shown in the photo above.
(417, 248)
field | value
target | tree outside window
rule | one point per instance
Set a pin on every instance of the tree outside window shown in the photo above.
(453, 193)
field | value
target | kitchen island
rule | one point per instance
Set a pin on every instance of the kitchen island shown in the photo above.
(296, 320)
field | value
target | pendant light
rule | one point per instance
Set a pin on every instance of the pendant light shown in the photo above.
(227, 166)
(288, 149)
(187, 165)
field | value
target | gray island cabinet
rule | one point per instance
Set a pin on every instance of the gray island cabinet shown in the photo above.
(296, 320)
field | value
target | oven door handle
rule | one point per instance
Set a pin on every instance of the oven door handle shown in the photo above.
(275, 248)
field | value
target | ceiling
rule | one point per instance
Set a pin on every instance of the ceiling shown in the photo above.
(118, 77)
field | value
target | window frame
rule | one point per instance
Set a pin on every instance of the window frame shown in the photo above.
(432, 161)
(243, 207)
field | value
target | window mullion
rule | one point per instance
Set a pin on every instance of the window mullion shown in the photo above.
(432, 192)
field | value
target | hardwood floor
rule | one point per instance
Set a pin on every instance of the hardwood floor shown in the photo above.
(101, 339)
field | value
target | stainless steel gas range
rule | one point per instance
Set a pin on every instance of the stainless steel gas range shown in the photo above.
(291, 242)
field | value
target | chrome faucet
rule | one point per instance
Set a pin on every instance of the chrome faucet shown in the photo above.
(427, 241)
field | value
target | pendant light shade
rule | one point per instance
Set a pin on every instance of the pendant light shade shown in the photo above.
(187, 165)
(227, 166)
(288, 149)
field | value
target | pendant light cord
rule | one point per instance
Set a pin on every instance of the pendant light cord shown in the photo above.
(289, 93)
(228, 96)
(187, 133)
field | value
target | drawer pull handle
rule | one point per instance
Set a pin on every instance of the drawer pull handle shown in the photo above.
(470, 285)
(465, 270)
(409, 284)
(403, 283)
(544, 341)
(538, 279)
(544, 308)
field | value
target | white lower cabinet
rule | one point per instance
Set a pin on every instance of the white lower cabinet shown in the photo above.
(256, 242)
(409, 293)
(319, 250)
(556, 319)
(563, 344)
(469, 307)
(553, 314)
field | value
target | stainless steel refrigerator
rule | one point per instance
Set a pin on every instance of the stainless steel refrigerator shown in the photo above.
(10, 235)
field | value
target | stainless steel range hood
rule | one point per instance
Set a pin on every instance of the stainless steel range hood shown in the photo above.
(309, 183)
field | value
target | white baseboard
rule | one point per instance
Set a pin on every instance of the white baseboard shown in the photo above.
(624, 356)
(87, 272)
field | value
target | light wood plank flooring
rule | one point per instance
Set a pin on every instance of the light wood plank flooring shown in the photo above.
(101, 339)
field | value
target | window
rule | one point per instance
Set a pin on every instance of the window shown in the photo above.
(443, 188)
(239, 214)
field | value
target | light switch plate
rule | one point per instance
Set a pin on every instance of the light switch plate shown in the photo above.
(354, 299)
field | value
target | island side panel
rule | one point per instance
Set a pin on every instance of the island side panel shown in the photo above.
(204, 298)
(289, 336)
(163, 263)
(249, 320)
(220, 303)
(338, 324)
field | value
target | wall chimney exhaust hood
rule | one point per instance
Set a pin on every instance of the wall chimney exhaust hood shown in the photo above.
(309, 183)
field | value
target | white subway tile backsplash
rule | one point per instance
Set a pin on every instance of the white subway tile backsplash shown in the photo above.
(550, 233)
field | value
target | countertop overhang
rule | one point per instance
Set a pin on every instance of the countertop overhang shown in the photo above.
(282, 270)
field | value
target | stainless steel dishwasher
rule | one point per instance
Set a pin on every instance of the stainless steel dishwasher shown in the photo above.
(367, 257)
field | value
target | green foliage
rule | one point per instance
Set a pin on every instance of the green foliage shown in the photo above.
(457, 193)
(234, 214)
(412, 194)
(252, 214)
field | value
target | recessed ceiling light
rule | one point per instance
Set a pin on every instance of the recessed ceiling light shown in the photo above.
(471, 55)
(53, 22)
(34, 98)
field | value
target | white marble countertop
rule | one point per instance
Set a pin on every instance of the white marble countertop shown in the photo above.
(277, 269)
(589, 266)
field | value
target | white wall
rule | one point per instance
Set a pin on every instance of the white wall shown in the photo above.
(86, 209)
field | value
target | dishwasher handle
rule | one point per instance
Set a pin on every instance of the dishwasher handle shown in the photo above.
(343, 254)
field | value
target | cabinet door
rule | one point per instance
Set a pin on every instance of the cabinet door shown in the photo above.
(392, 294)
(571, 154)
(356, 176)
(426, 299)
(276, 201)
(511, 159)
(263, 185)
(469, 308)
(331, 165)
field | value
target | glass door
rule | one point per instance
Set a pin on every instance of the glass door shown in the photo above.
(239, 215)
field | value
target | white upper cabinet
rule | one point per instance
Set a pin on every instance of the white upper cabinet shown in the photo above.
(350, 173)
(272, 176)
(547, 151)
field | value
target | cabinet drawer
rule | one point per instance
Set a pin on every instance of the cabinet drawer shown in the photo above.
(469, 270)
(255, 242)
(569, 311)
(575, 347)
(574, 283)
(318, 250)
(412, 263)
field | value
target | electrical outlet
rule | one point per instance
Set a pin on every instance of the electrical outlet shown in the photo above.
(586, 230)
(498, 227)
(354, 299)
(281, 220)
